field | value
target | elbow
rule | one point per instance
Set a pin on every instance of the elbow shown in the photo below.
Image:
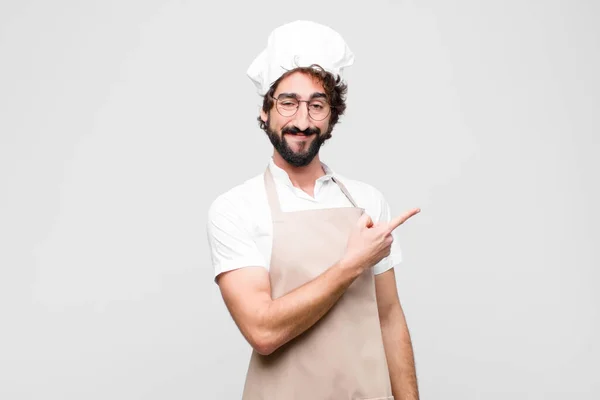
(264, 349)
(263, 342)
(263, 334)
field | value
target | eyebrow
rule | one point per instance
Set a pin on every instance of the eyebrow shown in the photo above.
(315, 95)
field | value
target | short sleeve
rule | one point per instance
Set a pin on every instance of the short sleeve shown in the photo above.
(395, 257)
(230, 239)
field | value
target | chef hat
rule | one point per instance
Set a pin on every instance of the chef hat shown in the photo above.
(299, 44)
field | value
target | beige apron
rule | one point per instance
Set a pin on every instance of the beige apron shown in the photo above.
(341, 357)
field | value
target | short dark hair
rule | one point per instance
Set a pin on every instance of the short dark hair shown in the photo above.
(335, 90)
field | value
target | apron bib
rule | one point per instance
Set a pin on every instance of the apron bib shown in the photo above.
(341, 357)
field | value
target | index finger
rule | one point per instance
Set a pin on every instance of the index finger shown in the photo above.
(396, 222)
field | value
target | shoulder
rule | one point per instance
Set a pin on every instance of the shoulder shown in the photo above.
(361, 190)
(239, 200)
(366, 195)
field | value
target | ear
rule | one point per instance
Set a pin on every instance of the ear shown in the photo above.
(263, 116)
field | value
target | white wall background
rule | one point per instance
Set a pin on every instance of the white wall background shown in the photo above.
(114, 140)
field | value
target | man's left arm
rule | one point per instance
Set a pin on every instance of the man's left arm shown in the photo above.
(396, 338)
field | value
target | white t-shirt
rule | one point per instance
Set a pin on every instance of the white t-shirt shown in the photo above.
(240, 231)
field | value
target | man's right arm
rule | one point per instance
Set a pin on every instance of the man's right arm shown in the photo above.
(268, 323)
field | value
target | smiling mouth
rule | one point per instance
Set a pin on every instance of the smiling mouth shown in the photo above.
(299, 134)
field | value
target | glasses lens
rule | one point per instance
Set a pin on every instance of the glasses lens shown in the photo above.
(287, 106)
(318, 109)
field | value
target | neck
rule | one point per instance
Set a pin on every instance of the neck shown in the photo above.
(301, 177)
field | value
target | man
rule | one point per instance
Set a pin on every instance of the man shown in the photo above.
(304, 257)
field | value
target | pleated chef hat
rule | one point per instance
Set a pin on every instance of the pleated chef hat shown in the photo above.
(299, 44)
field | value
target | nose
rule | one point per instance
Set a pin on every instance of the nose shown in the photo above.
(301, 118)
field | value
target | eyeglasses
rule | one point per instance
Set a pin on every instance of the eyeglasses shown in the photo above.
(287, 106)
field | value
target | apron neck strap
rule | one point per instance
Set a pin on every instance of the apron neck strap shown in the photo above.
(273, 198)
(345, 191)
(272, 193)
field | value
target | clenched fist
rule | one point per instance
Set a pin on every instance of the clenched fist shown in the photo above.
(369, 243)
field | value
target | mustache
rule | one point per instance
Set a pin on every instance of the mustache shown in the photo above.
(294, 131)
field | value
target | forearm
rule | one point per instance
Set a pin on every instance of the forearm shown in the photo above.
(399, 354)
(286, 317)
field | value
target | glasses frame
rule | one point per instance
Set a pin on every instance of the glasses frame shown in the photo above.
(297, 108)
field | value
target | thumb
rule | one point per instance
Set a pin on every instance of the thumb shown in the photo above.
(365, 221)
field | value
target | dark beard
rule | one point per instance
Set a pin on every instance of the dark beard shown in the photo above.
(296, 159)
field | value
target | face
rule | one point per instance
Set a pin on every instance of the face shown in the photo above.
(297, 138)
